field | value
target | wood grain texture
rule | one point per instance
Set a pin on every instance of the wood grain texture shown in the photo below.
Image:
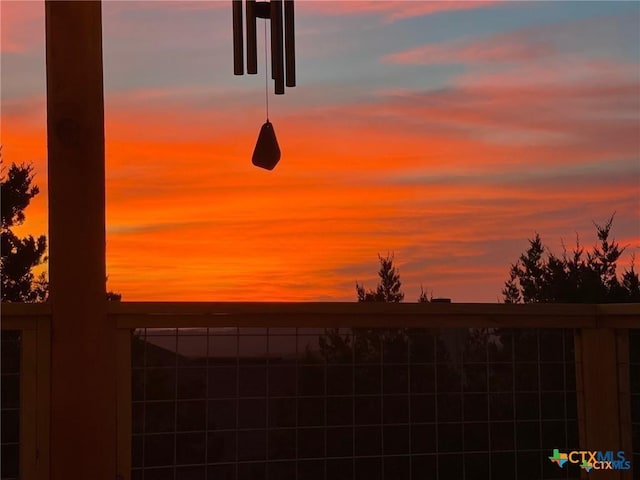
(83, 380)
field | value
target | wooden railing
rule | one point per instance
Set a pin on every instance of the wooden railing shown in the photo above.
(601, 340)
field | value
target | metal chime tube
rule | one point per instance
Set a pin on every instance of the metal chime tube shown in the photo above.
(267, 151)
(277, 57)
(289, 43)
(281, 17)
(252, 41)
(238, 67)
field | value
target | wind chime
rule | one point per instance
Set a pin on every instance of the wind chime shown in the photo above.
(283, 64)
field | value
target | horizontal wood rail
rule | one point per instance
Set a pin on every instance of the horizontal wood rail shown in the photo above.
(344, 314)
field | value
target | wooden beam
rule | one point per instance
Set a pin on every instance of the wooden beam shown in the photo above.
(123, 352)
(624, 315)
(28, 404)
(83, 381)
(584, 311)
(303, 320)
(43, 398)
(624, 397)
(21, 323)
(319, 314)
(25, 310)
(600, 370)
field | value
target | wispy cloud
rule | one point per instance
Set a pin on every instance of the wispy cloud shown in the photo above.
(392, 10)
(22, 25)
(534, 44)
(533, 130)
(499, 49)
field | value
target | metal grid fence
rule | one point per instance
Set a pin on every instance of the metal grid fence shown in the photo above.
(309, 403)
(10, 346)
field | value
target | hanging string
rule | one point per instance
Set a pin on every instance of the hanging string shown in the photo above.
(266, 71)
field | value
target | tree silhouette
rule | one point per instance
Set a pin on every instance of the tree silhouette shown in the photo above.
(423, 298)
(389, 288)
(572, 278)
(20, 255)
(114, 296)
(364, 343)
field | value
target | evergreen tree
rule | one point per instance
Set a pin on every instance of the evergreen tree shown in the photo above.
(20, 255)
(389, 288)
(423, 298)
(574, 278)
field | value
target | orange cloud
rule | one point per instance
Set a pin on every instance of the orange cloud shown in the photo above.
(453, 181)
(189, 217)
(216, 213)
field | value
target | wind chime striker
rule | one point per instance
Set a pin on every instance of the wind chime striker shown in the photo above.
(283, 64)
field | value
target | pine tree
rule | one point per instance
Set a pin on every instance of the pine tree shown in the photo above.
(20, 255)
(572, 278)
(390, 287)
(423, 298)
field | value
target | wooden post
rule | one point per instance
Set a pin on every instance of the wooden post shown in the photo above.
(123, 350)
(604, 422)
(28, 403)
(83, 380)
(624, 397)
(43, 398)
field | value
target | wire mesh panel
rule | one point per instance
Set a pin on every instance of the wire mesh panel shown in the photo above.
(10, 345)
(634, 361)
(300, 403)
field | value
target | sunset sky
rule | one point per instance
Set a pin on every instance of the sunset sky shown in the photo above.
(447, 133)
